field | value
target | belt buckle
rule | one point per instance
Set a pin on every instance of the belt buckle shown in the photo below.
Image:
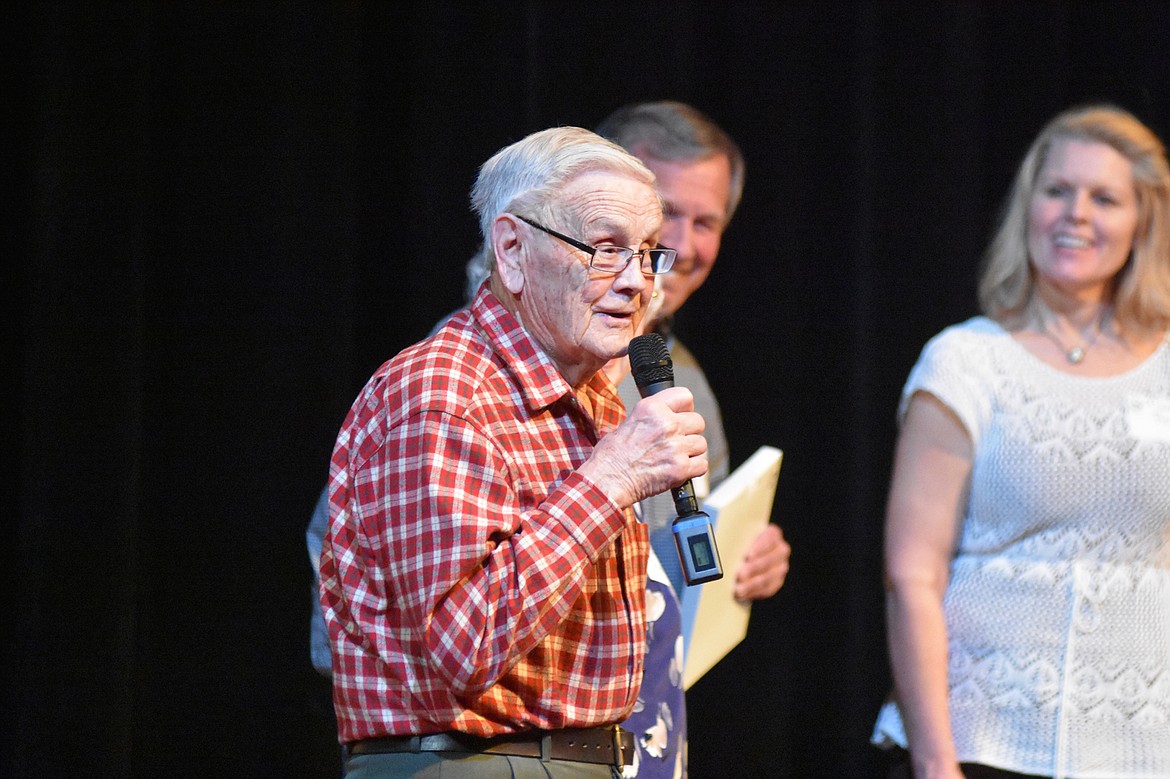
(546, 747)
(619, 758)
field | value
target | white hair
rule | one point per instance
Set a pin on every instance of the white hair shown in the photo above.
(530, 174)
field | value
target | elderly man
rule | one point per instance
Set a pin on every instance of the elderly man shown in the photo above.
(483, 574)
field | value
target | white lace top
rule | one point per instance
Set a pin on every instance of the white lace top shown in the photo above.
(1058, 607)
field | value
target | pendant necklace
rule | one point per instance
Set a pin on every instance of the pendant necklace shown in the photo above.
(1075, 354)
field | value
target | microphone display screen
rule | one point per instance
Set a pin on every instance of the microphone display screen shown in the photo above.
(701, 553)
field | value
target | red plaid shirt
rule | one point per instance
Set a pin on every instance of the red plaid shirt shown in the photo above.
(471, 579)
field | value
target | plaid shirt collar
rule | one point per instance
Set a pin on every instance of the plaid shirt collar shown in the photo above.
(536, 374)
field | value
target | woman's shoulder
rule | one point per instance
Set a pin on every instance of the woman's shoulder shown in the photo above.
(976, 334)
(977, 327)
(959, 367)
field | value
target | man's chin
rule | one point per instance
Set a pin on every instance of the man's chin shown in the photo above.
(614, 345)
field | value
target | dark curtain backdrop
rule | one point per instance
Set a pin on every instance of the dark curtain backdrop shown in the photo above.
(229, 214)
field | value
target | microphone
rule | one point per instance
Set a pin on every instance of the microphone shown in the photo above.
(694, 535)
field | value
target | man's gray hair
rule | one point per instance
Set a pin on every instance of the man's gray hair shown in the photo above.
(477, 270)
(528, 176)
(671, 131)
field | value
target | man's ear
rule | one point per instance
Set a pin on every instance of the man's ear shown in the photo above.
(511, 248)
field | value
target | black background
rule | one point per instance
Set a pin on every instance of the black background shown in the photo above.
(228, 214)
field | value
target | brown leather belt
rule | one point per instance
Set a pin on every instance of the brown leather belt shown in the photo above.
(607, 745)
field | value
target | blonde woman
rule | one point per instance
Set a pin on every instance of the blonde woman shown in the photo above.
(1028, 524)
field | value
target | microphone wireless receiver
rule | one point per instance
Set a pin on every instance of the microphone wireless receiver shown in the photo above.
(694, 535)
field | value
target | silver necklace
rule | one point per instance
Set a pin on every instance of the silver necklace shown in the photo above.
(1075, 354)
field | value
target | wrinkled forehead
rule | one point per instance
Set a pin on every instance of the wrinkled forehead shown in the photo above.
(611, 201)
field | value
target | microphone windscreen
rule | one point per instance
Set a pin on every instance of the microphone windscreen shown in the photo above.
(650, 360)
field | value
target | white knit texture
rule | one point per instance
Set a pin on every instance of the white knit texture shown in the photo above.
(1058, 608)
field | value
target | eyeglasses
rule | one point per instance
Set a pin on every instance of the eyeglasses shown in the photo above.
(614, 259)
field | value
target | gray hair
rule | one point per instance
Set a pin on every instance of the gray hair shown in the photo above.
(529, 175)
(675, 132)
(1142, 291)
(477, 270)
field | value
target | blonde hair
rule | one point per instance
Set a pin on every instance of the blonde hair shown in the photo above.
(1141, 293)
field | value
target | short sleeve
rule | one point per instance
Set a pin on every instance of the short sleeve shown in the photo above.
(955, 367)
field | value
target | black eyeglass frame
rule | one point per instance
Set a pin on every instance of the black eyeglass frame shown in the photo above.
(667, 261)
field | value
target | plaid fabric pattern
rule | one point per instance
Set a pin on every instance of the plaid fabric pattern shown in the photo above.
(471, 580)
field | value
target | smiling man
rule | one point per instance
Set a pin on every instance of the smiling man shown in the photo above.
(483, 575)
(699, 174)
